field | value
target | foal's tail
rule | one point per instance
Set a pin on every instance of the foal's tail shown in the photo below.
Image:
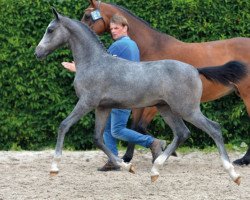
(231, 72)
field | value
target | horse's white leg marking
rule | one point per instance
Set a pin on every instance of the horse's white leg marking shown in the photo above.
(157, 164)
(54, 168)
(127, 166)
(181, 133)
(230, 169)
(214, 131)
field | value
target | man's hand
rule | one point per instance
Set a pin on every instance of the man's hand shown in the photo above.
(70, 66)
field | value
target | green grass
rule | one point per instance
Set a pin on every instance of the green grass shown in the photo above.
(211, 149)
(183, 149)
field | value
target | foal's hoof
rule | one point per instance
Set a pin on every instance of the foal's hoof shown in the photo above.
(53, 173)
(154, 178)
(132, 169)
(238, 180)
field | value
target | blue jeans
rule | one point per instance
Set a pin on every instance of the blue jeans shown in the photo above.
(116, 129)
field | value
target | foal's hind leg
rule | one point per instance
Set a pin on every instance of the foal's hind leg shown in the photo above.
(213, 130)
(181, 133)
(101, 116)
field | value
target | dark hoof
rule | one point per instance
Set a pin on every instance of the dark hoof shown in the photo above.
(242, 161)
(126, 159)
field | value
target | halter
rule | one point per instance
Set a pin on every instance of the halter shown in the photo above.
(96, 14)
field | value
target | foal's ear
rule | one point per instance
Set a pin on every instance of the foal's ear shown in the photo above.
(55, 13)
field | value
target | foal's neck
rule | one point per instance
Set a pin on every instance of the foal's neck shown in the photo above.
(85, 46)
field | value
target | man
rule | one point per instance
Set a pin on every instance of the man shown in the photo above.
(126, 48)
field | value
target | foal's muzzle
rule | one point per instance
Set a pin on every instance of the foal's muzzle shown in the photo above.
(40, 53)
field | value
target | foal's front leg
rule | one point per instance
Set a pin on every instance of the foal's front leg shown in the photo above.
(101, 116)
(80, 109)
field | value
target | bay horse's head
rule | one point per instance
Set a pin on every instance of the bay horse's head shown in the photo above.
(55, 36)
(97, 17)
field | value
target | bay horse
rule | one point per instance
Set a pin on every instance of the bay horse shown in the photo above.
(103, 82)
(155, 45)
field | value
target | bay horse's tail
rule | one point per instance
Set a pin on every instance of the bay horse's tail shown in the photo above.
(231, 72)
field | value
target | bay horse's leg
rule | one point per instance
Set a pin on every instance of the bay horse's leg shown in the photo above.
(181, 133)
(214, 131)
(136, 115)
(244, 91)
(127, 157)
(146, 118)
(101, 116)
(80, 109)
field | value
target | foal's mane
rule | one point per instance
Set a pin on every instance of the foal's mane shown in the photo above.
(92, 33)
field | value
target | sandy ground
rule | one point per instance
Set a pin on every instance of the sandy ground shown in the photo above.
(196, 176)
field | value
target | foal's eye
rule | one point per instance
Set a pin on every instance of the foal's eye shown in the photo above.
(50, 30)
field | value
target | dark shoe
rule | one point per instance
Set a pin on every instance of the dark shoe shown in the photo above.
(157, 147)
(109, 166)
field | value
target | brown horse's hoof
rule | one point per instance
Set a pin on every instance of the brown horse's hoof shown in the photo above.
(238, 180)
(154, 178)
(53, 173)
(132, 169)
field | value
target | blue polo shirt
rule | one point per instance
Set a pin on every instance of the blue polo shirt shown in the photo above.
(125, 48)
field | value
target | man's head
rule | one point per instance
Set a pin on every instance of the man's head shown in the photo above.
(118, 26)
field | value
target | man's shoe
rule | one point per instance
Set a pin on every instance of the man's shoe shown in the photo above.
(156, 148)
(109, 166)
